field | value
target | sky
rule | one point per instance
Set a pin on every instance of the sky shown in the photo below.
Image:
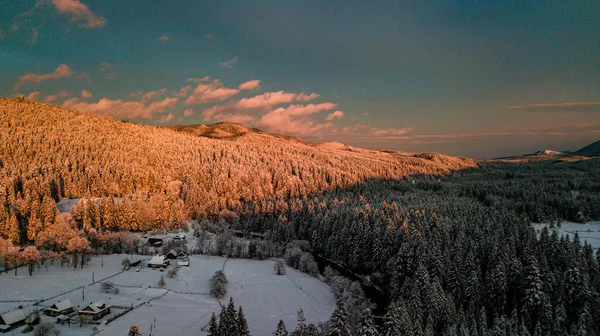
(472, 78)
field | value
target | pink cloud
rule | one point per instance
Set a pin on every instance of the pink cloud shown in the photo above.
(213, 92)
(105, 66)
(33, 96)
(198, 80)
(390, 131)
(85, 94)
(184, 91)
(61, 71)
(122, 109)
(229, 64)
(295, 119)
(164, 38)
(189, 113)
(153, 94)
(60, 95)
(250, 85)
(209, 35)
(334, 115)
(79, 12)
(166, 119)
(366, 113)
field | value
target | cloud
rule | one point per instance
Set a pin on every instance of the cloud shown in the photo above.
(366, 113)
(122, 109)
(61, 71)
(209, 35)
(166, 119)
(184, 91)
(295, 119)
(559, 107)
(79, 12)
(105, 66)
(164, 38)
(390, 131)
(212, 92)
(153, 94)
(260, 102)
(110, 76)
(85, 94)
(189, 113)
(33, 96)
(135, 94)
(198, 80)
(229, 64)
(253, 84)
(334, 115)
(60, 95)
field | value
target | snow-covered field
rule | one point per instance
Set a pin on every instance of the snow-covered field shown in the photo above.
(186, 307)
(589, 232)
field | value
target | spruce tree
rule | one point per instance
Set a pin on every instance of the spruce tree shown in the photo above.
(213, 327)
(242, 323)
(338, 324)
(366, 324)
(281, 330)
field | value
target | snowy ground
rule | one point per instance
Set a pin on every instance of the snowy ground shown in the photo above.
(589, 232)
(186, 307)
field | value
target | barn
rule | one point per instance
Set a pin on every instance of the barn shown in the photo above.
(61, 307)
(12, 320)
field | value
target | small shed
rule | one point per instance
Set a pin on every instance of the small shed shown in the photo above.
(181, 255)
(180, 236)
(61, 307)
(12, 320)
(96, 310)
(158, 261)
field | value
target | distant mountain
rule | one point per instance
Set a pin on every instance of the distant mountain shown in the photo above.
(590, 150)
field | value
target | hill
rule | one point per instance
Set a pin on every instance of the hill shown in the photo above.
(166, 176)
(590, 150)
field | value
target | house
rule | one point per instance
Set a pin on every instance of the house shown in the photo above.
(181, 255)
(172, 254)
(184, 262)
(180, 236)
(156, 241)
(158, 261)
(61, 307)
(12, 320)
(95, 310)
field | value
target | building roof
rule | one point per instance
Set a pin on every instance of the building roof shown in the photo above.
(157, 260)
(95, 307)
(61, 305)
(13, 317)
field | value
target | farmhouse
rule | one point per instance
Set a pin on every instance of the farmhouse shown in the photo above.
(158, 261)
(96, 310)
(61, 307)
(12, 320)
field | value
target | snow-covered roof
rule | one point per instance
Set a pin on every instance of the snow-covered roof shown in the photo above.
(172, 252)
(95, 307)
(13, 317)
(61, 305)
(157, 260)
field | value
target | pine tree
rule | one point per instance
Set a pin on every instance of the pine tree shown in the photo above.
(366, 325)
(338, 324)
(281, 330)
(242, 323)
(213, 327)
(301, 328)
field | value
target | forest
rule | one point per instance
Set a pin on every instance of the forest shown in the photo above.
(448, 239)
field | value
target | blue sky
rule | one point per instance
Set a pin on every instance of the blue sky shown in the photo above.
(474, 78)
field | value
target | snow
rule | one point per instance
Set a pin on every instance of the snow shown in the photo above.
(186, 306)
(589, 231)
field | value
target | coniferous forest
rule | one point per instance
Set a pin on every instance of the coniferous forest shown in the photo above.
(448, 240)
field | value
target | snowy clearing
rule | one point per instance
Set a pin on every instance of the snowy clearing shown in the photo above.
(589, 231)
(185, 307)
